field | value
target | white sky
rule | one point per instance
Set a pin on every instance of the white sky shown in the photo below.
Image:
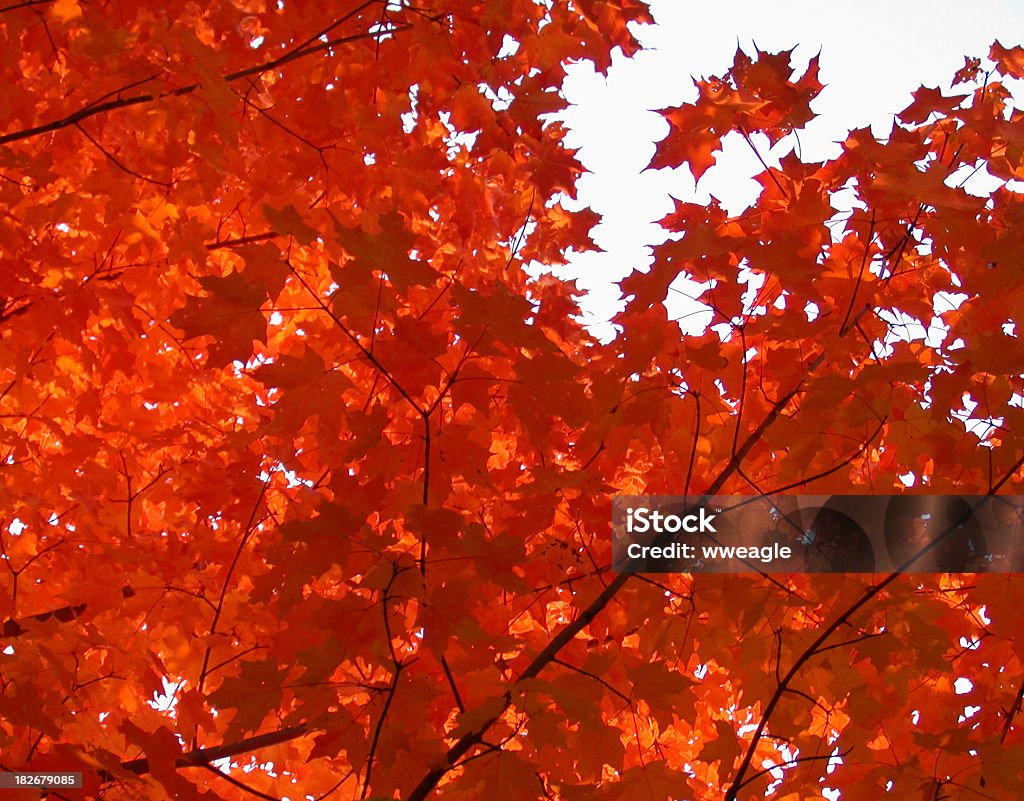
(873, 55)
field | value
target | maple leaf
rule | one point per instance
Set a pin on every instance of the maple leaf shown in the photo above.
(755, 95)
(927, 102)
(387, 249)
(696, 130)
(230, 313)
(66, 10)
(1010, 61)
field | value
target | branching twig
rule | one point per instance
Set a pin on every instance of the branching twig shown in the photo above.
(844, 327)
(200, 757)
(94, 109)
(24, 4)
(548, 654)
(595, 677)
(364, 352)
(245, 240)
(789, 763)
(246, 534)
(396, 673)
(769, 170)
(824, 473)
(840, 621)
(120, 164)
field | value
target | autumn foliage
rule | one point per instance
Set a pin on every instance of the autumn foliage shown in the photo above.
(305, 482)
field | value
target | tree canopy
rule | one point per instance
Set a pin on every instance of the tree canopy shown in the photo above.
(307, 476)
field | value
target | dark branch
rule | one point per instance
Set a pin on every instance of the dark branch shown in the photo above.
(396, 674)
(1012, 713)
(239, 784)
(755, 776)
(200, 757)
(95, 109)
(120, 164)
(250, 526)
(842, 620)
(245, 240)
(549, 653)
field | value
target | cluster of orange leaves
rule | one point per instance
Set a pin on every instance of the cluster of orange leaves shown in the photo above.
(305, 482)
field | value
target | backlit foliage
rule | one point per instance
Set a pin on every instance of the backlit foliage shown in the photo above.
(306, 483)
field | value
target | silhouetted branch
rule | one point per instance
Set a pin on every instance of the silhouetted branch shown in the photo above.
(239, 784)
(201, 757)
(548, 654)
(95, 109)
(815, 647)
(1012, 713)
(791, 762)
(250, 526)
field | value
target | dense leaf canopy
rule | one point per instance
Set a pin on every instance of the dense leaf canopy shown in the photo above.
(306, 482)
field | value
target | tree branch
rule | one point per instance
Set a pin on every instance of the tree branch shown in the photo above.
(120, 164)
(95, 109)
(364, 352)
(200, 757)
(250, 526)
(396, 674)
(815, 647)
(239, 784)
(549, 653)
(1012, 713)
(24, 4)
(245, 240)
(791, 762)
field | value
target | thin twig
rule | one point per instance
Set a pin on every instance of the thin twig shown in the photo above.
(1012, 713)
(366, 354)
(451, 683)
(769, 170)
(791, 762)
(586, 616)
(94, 109)
(24, 4)
(835, 625)
(396, 674)
(595, 677)
(245, 240)
(204, 756)
(246, 534)
(120, 164)
(860, 276)
(239, 784)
